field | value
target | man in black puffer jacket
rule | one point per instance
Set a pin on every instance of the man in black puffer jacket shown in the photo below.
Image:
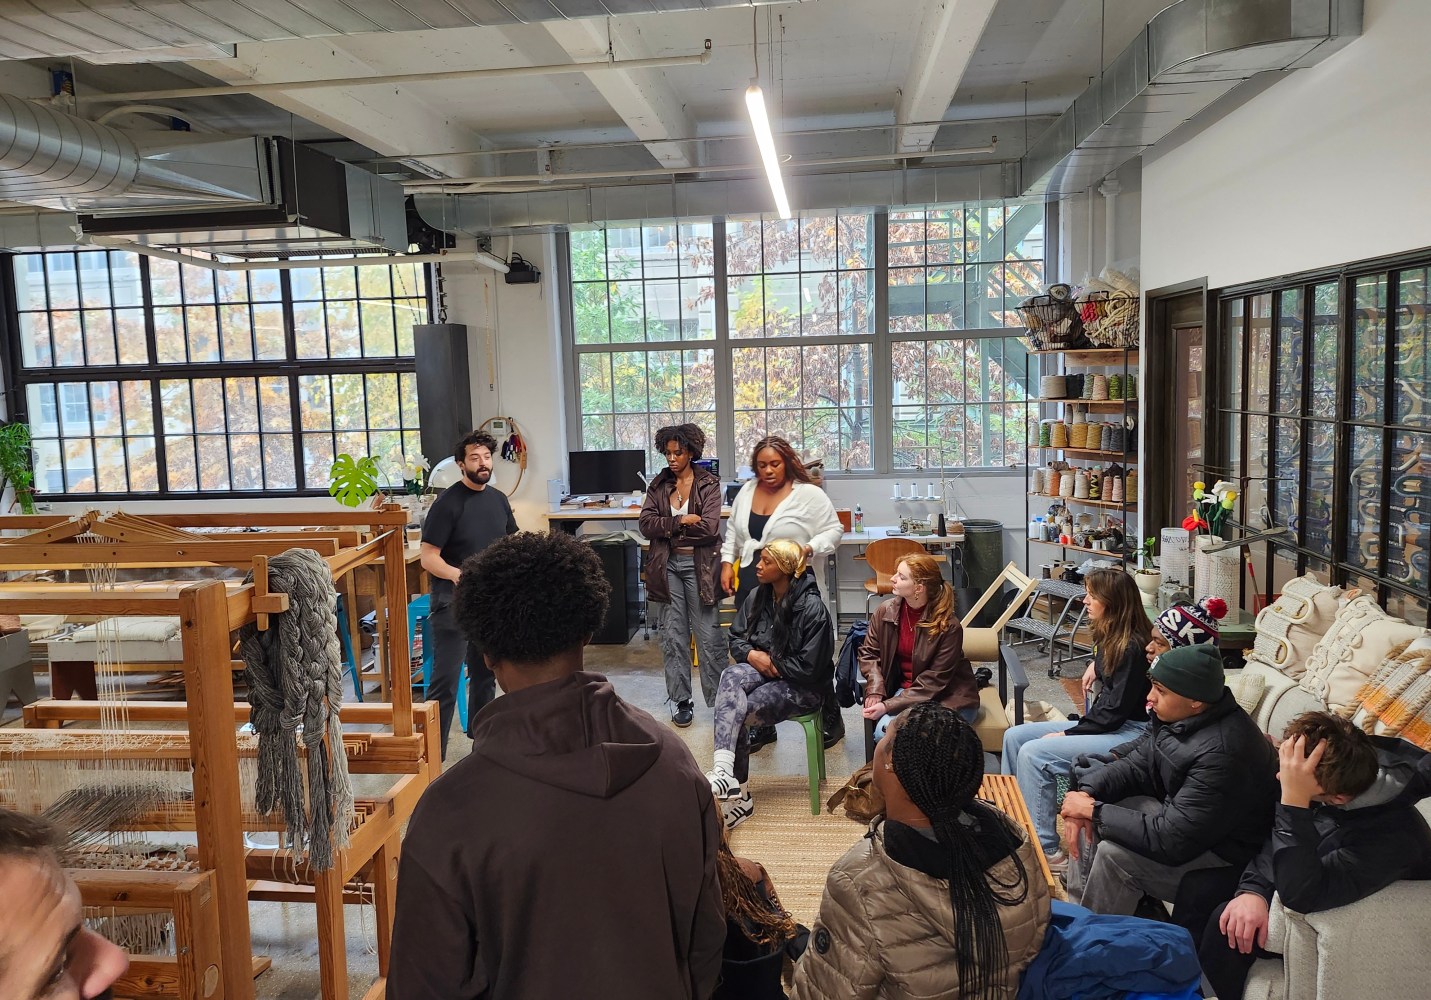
(1197, 791)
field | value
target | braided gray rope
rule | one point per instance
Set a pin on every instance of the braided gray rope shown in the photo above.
(295, 680)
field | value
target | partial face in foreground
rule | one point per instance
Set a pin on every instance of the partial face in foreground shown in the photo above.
(45, 951)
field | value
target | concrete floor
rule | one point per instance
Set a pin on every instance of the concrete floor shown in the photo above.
(287, 932)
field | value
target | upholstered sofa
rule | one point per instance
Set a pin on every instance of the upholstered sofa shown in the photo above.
(1321, 651)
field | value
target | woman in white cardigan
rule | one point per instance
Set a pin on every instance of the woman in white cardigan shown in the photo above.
(780, 502)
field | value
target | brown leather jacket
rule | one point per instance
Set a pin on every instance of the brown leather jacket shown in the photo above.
(666, 532)
(942, 672)
(887, 931)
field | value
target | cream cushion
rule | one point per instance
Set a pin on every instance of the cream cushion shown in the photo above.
(1288, 628)
(1353, 650)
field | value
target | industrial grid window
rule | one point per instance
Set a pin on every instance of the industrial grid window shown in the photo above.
(144, 377)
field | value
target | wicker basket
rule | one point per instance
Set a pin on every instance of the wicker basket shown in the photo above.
(1052, 324)
(1110, 319)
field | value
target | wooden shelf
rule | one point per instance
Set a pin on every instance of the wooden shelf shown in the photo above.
(1077, 548)
(1106, 504)
(1130, 458)
(1092, 355)
(1102, 405)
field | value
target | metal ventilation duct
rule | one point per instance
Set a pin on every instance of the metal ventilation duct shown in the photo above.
(243, 197)
(1189, 55)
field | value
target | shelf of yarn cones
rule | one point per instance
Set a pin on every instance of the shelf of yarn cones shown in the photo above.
(1102, 405)
(1094, 355)
(1078, 548)
(1093, 454)
(1109, 504)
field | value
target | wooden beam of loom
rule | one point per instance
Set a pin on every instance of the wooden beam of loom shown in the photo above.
(367, 753)
(151, 555)
(390, 515)
(49, 710)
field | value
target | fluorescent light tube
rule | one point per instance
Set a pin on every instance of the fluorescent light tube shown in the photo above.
(760, 121)
(488, 259)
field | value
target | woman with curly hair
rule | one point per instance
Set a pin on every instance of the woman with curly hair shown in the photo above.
(1039, 753)
(780, 502)
(759, 933)
(681, 518)
(944, 897)
(914, 650)
(784, 651)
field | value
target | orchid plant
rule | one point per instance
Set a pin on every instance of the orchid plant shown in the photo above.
(411, 472)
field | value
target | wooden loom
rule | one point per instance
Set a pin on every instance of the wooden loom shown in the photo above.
(213, 944)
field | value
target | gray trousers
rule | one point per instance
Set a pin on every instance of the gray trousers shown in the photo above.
(1118, 877)
(683, 617)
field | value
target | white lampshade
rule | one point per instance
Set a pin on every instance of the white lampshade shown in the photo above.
(444, 474)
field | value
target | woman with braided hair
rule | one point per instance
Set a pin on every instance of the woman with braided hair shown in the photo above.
(784, 650)
(943, 898)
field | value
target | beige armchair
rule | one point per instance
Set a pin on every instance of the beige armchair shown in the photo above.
(1375, 947)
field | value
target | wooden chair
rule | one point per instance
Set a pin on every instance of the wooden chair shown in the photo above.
(884, 556)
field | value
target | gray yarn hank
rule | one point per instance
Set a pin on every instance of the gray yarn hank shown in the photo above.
(295, 681)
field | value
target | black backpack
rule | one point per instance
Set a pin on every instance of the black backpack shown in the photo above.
(847, 668)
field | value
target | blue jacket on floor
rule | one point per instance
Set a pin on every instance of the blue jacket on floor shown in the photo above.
(1089, 956)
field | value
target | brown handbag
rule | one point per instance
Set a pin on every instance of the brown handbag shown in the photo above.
(862, 801)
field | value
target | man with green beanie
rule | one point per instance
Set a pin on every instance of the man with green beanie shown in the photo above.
(1196, 791)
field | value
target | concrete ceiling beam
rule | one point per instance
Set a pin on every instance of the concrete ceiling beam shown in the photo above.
(387, 119)
(948, 37)
(644, 99)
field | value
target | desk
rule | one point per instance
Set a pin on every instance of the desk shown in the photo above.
(570, 519)
(862, 539)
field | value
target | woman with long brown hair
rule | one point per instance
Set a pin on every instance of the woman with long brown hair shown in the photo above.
(1038, 753)
(759, 933)
(914, 650)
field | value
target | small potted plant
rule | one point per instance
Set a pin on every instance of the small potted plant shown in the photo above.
(16, 464)
(1147, 576)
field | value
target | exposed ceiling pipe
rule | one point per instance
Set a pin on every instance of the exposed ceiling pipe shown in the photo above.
(552, 69)
(151, 109)
(547, 180)
(368, 260)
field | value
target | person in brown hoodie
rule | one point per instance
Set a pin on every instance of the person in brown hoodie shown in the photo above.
(573, 854)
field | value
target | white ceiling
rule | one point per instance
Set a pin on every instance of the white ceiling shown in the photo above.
(825, 64)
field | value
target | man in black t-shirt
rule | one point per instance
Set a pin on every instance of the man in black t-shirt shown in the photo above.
(469, 516)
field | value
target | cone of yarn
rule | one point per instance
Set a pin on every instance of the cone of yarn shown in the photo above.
(1105, 438)
(1077, 434)
(1087, 387)
(1116, 437)
(1050, 483)
(1053, 387)
(1066, 483)
(1038, 481)
(1100, 387)
(1130, 491)
(1045, 433)
(1080, 484)
(1115, 493)
(1059, 434)
(1132, 387)
(1074, 385)
(1115, 386)
(1095, 485)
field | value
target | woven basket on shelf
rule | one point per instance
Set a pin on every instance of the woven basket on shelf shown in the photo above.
(1052, 324)
(1110, 319)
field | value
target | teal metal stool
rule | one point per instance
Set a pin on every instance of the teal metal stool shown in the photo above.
(345, 645)
(814, 754)
(417, 611)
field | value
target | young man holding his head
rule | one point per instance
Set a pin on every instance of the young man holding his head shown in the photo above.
(1346, 826)
(574, 852)
(470, 515)
(46, 952)
(1196, 791)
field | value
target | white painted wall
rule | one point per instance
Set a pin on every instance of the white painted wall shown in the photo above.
(1326, 167)
(1083, 228)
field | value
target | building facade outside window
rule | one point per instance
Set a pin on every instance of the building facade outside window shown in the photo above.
(144, 377)
(875, 342)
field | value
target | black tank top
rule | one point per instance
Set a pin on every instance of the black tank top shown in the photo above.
(756, 526)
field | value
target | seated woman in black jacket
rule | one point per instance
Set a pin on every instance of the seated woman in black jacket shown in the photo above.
(1039, 752)
(783, 646)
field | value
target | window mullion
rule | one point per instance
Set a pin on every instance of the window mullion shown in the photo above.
(724, 351)
(881, 363)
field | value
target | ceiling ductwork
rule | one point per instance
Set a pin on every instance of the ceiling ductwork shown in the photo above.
(247, 197)
(1189, 56)
(30, 30)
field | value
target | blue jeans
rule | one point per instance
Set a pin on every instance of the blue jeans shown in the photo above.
(1038, 763)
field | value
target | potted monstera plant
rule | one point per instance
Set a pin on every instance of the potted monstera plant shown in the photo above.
(17, 468)
(354, 480)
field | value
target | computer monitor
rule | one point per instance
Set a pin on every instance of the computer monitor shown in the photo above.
(711, 465)
(598, 473)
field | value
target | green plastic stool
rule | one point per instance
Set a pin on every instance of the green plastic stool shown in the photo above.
(814, 754)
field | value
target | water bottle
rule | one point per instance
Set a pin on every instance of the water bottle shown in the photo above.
(859, 519)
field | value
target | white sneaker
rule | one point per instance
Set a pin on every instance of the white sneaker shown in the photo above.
(739, 809)
(723, 786)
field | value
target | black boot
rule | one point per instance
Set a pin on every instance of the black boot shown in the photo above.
(834, 722)
(761, 737)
